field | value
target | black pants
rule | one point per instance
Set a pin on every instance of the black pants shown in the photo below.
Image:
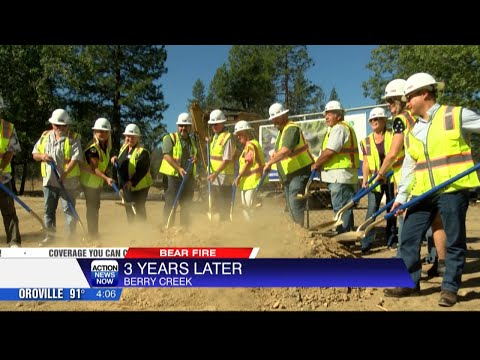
(10, 219)
(138, 197)
(221, 201)
(184, 200)
(92, 199)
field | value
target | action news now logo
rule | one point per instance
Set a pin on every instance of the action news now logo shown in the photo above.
(104, 272)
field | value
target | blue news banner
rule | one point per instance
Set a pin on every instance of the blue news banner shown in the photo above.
(221, 272)
(61, 294)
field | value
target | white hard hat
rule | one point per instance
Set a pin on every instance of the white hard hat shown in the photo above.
(241, 126)
(333, 105)
(132, 129)
(377, 112)
(395, 88)
(276, 110)
(184, 119)
(102, 124)
(60, 117)
(217, 117)
(421, 80)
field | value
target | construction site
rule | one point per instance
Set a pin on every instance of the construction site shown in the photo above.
(271, 230)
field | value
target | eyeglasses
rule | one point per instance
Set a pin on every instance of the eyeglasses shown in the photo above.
(374, 119)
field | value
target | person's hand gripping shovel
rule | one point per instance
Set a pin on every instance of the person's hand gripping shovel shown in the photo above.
(69, 200)
(356, 198)
(307, 193)
(122, 197)
(179, 192)
(420, 198)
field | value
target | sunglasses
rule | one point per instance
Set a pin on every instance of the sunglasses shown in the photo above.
(375, 119)
(412, 95)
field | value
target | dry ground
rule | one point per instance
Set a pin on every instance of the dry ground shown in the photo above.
(276, 236)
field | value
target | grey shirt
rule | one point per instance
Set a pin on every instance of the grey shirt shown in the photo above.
(55, 148)
(339, 136)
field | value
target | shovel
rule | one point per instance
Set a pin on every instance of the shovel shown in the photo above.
(352, 236)
(175, 202)
(249, 210)
(356, 198)
(307, 187)
(234, 190)
(25, 206)
(422, 197)
(123, 202)
(209, 185)
(121, 193)
(69, 200)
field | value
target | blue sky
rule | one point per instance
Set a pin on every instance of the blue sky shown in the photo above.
(342, 66)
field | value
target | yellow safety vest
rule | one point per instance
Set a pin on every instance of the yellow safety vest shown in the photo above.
(66, 153)
(147, 180)
(251, 178)
(165, 167)
(447, 154)
(6, 131)
(300, 156)
(408, 121)
(373, 157)
(92, 180)
(348, 157)
(216, 153)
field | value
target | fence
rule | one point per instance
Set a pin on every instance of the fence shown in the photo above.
(313, 125)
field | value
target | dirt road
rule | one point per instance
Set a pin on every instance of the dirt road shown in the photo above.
(276, 236)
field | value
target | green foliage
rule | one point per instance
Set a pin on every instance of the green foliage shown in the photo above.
(120, 83)
(457, 65)
(256, 76)
(198, 93)
(333, 95)
(291, 63)
(27, 86)
(246, 82)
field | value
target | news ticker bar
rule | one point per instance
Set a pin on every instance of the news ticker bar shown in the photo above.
(131, 253)
(60, 294)
(246, 272)
(188, 267)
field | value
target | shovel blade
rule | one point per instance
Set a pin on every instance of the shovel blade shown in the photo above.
(350, 236)
(303, 196)
(327, 225)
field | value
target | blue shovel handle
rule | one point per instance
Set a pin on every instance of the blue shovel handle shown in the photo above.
(182, 184)
(365, 191)
(433, 190)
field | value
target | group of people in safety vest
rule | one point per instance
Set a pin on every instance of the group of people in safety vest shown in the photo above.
(427, 145)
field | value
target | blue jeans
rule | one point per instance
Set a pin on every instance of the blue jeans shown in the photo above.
(51, 196)
(374, 199)
(452, 208)
(399, 235)
(295, 206)
(341, 194)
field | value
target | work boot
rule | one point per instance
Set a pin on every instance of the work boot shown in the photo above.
(447, 298)
(437, 269)
(399, 292)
